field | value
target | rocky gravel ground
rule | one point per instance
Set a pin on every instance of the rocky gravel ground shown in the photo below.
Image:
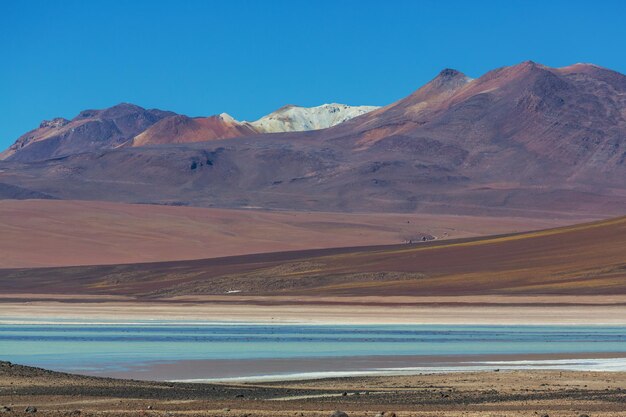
(33, 391)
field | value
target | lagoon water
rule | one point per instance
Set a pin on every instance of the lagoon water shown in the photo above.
(146, 349)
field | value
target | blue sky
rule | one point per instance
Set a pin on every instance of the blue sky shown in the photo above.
(248, 58)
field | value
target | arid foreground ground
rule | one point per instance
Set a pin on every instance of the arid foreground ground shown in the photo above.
(493, 394)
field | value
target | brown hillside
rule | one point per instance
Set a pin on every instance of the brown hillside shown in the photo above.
(587, 259)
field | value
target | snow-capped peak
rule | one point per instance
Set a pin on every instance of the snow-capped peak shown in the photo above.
(292, 118)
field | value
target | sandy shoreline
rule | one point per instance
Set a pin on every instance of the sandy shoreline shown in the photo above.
(287, 369)
(365, 310)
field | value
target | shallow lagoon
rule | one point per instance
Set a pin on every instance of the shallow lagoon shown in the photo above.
(116, 348)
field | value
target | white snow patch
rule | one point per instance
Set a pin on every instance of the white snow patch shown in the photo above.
(297, 119)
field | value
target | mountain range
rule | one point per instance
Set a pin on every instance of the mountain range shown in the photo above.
(524, 140)
(130, 125)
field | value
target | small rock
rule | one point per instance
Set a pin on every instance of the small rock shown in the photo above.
(338, 414)
(149, 407)
(239, 396)
(343, 394)
(5, 409)
(30, 409)
(226, 409)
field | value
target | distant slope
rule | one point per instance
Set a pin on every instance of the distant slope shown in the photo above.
(521, 123)
(111, 233)
(183, 129)
(584, 259)
(91, 130)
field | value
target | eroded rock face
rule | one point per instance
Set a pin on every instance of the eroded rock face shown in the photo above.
(54, 123)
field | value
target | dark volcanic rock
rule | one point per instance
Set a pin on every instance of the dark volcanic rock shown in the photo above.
(56, 122)
(13, 192)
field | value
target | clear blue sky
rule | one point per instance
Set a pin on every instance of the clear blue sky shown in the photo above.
(248, 58)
